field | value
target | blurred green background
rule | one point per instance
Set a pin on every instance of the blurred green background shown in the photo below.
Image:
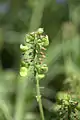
(61, 22)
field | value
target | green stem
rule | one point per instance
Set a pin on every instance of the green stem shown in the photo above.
(39, 100)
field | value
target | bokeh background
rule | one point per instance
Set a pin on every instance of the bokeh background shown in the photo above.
(61, 22)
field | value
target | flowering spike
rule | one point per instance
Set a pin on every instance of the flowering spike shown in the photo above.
(32, 57)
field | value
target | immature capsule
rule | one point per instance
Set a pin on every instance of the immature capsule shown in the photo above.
(23, 48)
(23, 63)
(78, 107)
(23, 71)
(45, 41)
(63, 96)
(39, 40)
(44, 69)
(40, 76)
(38, 68)
(29, 38)
(40, 31)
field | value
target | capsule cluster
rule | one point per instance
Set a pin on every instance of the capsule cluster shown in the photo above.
(33, 53)
(40, 47)
(68, 108)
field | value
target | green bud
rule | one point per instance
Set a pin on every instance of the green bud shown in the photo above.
(23, 71)
(23, 48)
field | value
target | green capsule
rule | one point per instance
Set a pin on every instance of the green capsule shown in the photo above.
(23, 63)
(66, 103)
(63, 96)
(38, 68)
(29, 38)
(44, 69)
(40, 76)
(23, 71)
(39, 40)
(23, 48)
(78, 107)
(40, 30)
(45, 41)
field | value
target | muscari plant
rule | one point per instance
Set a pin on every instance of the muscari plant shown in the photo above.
(33, 55)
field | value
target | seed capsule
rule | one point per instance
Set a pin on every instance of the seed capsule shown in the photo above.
(23, 71)
(23, 48)
(40, 76)
(45, 41)
(44, 69)
(78, 107)
(40, 30)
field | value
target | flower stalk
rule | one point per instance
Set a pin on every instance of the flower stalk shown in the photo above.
(33, 55)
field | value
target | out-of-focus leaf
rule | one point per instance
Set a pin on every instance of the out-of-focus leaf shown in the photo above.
(5, 108)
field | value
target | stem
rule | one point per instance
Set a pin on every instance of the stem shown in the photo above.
(19, 110)
(21, 95)
(39, 100)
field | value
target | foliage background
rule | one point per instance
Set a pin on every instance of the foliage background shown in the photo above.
(61, 22)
